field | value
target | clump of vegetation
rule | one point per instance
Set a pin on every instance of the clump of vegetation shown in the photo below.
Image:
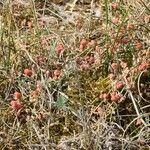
(75, 75)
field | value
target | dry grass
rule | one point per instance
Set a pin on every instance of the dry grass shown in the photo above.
(87, 80)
